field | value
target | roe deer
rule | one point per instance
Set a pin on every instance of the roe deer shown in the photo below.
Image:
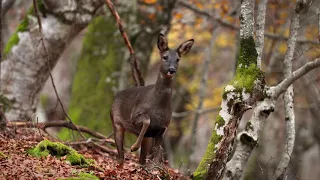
(146, 110)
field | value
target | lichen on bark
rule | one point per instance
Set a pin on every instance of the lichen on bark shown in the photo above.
(238, 91)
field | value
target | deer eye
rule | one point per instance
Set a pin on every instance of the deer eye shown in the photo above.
(165, 58)
(178, 59)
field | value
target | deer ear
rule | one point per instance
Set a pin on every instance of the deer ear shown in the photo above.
(185, 47)
(162, 43)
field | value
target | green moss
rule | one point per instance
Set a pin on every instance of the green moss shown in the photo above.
(46, 147)
(248, 53)
(3, 155)
(207, 158)
(14, 39)
(81, 176)
(23, 26)
(7, 103)
(220, 121)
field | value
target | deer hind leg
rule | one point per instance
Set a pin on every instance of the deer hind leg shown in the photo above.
(145, 149)
(145, 120)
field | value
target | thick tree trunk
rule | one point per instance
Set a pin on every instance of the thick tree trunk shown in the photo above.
(25, 68)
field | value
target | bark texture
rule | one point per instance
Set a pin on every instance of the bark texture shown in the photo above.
(25, 69)
(238, 95)
(248, 139)
(261, 18)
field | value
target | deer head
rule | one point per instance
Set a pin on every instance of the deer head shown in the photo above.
(170, 57)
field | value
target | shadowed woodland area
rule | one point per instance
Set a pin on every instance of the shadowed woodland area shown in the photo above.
(245, 99)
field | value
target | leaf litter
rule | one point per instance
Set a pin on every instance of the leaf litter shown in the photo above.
(16, 163)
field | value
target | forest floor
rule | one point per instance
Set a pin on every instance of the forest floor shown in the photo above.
(16, 163)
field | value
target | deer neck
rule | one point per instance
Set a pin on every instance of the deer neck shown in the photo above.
(163, 85)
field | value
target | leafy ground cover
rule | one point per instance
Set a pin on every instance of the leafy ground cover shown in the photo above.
(16, 163)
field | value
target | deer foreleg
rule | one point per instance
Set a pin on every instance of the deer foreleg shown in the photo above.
(157, 149)
(145, 149)
(145, 119)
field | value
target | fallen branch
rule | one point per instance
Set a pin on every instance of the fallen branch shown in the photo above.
(136, 73)
(89, 143)
(60, 123)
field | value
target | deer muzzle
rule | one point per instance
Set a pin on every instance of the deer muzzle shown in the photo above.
(171, 71)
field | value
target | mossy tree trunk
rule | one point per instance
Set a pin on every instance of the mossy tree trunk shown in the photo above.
(244, 90)
(238, 95)
(104, 60)
(25, 68)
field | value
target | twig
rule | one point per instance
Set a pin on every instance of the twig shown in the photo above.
(136, 73)
(35, 5)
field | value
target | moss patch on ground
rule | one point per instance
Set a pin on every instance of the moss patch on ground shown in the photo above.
(46, 147)
(3, 155)
(82, 176)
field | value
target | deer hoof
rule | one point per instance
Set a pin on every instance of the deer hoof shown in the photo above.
(134, 147)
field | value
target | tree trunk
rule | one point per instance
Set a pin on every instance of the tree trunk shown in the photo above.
(25, 68)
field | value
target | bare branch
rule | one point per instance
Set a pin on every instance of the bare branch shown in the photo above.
(208, 15)
(201, 111)
(318, 13)
(136, 73)
(59, 123)
(260, 30)
(235, 27)
(283, 86)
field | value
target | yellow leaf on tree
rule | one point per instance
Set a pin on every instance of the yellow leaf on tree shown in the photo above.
(178, 16)
(150, 1)
(283, 48)
(199, 5)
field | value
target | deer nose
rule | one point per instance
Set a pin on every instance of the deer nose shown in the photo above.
(172, 70)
